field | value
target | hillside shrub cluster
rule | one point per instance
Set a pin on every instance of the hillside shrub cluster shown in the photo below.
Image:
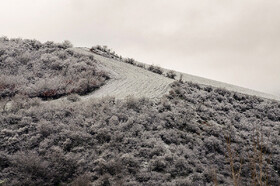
(109, 53)
(171, 74)
(46, 70)
(178, 140)
(106, 52)
(155, 69)
(130, 61)
(250, 126)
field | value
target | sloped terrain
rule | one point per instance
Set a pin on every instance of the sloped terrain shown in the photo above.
(191, 134)
(229, 87)
(134, 79)
(128, 80)
(51, 70)
(181, 139)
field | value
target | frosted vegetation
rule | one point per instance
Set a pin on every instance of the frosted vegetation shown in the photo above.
(179, 140)
(46, 70)
(193, 135)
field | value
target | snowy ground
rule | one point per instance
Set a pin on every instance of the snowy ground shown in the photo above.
(128, 80)
(131, 80)
(230, 87)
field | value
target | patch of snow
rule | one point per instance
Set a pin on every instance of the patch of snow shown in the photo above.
(9, 106)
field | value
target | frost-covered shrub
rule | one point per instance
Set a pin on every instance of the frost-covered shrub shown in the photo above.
(155, 69)
(221, 112)
(30, 169)
(105, 51)
(140, 65)
(158, 165)
(73, 97)
(182, 168)
(171, 74)
(130, 61)
(45, 70)
(82, 180)
(132, 103)
(213, 144)
(67, 44)
(136, 142)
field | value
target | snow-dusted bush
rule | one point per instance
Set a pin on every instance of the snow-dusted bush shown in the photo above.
(73, 97)
(171, 74)
(7, 86)
(155, 69)
(109, 53)
(105, 51)
(130, 61)
(46, 70)
(140, 65)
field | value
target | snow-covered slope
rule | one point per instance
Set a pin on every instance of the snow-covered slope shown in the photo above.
(131, 80)
(230, 87)
(127, 80)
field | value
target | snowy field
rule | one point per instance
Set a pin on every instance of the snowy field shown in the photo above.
(128, 80)
(131, 80)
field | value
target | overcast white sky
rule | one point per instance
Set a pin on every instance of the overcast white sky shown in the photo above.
(234, 41)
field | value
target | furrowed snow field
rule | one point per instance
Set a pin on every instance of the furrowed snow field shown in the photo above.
(128, 80)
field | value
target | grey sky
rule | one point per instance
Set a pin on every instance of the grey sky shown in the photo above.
(234, 41)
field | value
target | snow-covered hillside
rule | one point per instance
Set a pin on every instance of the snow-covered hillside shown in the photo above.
(131, 80)
(56, 129)
(128, 80)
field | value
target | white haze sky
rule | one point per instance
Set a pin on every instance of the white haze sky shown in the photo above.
(233, 41)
